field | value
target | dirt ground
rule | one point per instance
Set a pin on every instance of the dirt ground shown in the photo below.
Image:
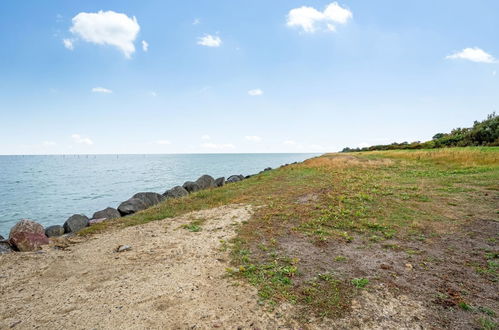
(171, 278)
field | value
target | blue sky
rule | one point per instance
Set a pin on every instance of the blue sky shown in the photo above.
(241, 76)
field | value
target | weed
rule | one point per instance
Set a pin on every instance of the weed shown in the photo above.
(360, 283)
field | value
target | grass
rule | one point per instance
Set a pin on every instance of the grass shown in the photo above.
(368, 198)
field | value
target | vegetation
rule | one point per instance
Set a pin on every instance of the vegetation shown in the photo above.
(325, 213)
(484, 133)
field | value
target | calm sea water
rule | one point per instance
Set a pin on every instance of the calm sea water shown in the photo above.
(49, 189)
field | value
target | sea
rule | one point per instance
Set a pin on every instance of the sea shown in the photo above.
(49, 189)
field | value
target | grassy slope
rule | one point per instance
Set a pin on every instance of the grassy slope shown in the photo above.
(403, 202)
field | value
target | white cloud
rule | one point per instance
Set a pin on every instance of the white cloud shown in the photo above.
(196, 21)
(311, 19)
(289, 143)
(206, 137)
(255, 92)
(145, 46)
(473, 54)
(223, 146)
(48, 143)
(107, 28)
(83, 140)
(163, 142)
(68, 43)
(253, 138)
(101, 90)
(210, 41)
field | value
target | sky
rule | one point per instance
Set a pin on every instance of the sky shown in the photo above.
(218, 76)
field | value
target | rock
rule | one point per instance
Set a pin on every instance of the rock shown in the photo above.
(5, 246)
(123, 248)
(131, 206)
(220, 182)
(248, 176)
(92, 222)
(267, 169)
(206, 182)
(149, 198)
(234, 178)
(1, 238)
(27, 235)
(75, 223)
(53, 231)
(108, 213)
(191, 186)
(176, 192)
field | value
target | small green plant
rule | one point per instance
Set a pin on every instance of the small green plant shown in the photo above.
(487, 324)
(360, 283)
(465, 306)
(194, 226)
(340, 258)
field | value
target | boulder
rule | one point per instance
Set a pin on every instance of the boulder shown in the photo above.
(1, 238)
(26, 241)
(220, 182)
(267, 169)
(108, 213)
(131, 206)
(149, 198)
(206, 182)
(53, 231)
(176, 192)
(234, 178)
(27, 235)
(92, 222)
(191, 186)
(75, 223)
(5, 246)
(248, 176)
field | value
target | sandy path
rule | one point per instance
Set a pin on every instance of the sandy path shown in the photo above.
(171, 278)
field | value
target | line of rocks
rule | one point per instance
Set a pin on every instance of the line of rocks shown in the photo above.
(28, 235)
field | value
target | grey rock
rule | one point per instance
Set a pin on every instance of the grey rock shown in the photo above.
(248, 176)
(176, 192)
(191, 186)
(131, 206)
(53, 231)
(123, 248)
(5, 247)
(149, 198)
(75, 223)
(220, 182)
(234, 178)
(108, 213)
(1, 238)
(206, 182)
(267, 169)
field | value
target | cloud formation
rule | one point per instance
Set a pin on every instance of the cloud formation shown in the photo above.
(82, 140)
(101, 90)
(253, 138)
(255, 92)
(311, 20)
(68, 43)
(210, 41)
(215, 146)
(473, 54)
(107, 28)
(145, 46)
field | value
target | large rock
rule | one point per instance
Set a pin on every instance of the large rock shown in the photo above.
(75, 223)
(131, 206)
(206, 182)
(5, 246)
(27, 235)
(53, 231)
(235, 178)
(220, 182)
(191, 186)
(149, 198)
(176, 192)
(107, 213)
(1, 238)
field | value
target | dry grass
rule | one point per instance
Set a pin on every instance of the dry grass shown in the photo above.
(463, 156)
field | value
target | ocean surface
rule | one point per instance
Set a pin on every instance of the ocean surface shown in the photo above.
(49, 189)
